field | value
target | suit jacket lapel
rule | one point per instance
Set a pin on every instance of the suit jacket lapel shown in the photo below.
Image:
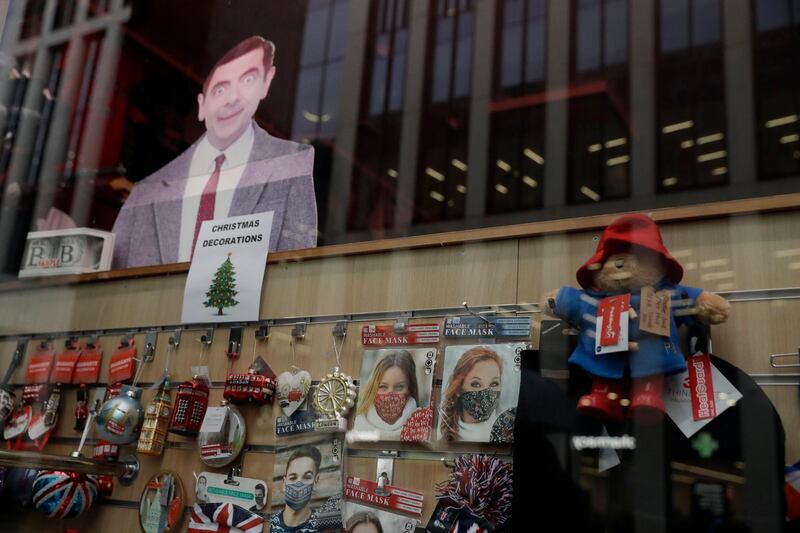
(168, 205)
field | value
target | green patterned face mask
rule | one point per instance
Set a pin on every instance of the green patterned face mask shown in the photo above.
(480, 403)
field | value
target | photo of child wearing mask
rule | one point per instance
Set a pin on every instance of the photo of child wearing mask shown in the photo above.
(479, 393)
(394, 400)
(301, 483)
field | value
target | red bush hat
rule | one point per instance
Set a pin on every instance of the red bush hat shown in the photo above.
(636, 229)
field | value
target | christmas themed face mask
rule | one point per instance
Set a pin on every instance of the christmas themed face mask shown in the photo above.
(480, 403)
(390, 405)
(298, 494)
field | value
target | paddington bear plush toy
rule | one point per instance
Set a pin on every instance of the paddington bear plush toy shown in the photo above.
(630, 260)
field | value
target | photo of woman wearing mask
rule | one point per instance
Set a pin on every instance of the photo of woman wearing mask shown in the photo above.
(364, 522)
(394, 400)
(479, 393)
(300, 483)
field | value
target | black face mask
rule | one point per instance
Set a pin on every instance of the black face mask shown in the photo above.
(480, 403)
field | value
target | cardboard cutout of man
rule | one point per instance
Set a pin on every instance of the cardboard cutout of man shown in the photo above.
(235, 169)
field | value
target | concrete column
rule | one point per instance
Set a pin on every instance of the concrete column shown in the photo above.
(740, 113)
(556, 112)
(479, 116)
(642, 97)
(412, 114)
(97, 119)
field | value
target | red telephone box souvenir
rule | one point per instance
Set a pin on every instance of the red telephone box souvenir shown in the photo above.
(191, 402)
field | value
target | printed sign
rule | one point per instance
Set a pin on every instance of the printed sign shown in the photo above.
(386, 497)
(612, 324)
(224, 282)
(374, 335)
(473, 326)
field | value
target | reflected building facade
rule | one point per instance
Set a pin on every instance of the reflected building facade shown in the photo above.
(425, 115)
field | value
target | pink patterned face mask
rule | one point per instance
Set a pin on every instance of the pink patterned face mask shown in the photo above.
(390, 405)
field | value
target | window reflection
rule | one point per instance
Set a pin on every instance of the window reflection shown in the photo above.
(376, 166)
(599, 147)
(691, 96)
(516, 154)
(777, 85)
(442, 169)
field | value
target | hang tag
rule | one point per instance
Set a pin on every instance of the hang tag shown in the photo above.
(654, 311)
(679, 395)
(214, 420)
(64, 367)
(122, 363)
(612, 324)
(88, 368)
(701, 387)
(385, 335)
(40, 365)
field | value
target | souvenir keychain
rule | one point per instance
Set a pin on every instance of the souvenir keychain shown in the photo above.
(257, 385)
(222, 434)
(336, 393)
(191, 400)
(157, 415)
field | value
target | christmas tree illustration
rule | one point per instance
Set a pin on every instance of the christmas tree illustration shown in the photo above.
(223, 288)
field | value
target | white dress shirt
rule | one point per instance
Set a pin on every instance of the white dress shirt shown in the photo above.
(236, 157)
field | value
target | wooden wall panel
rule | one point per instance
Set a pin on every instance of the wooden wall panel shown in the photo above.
(759, 251)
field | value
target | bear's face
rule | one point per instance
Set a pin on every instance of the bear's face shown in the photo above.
(629, 271)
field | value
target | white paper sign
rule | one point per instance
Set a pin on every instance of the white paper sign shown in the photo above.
(678, 400)
(214, 419)
(224, 282)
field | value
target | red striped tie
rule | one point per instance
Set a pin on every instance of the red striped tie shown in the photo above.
(208, 199)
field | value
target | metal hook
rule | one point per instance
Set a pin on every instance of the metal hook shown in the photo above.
(208, 338)
(175, 339)
(448, 464)
(773, 357)
(473, 313)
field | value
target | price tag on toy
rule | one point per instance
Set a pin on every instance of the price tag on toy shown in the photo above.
(214, 419)
(612, 324)
(224, 282)
(654, 311)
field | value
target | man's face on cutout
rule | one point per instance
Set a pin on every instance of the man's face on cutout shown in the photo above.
(234, 92)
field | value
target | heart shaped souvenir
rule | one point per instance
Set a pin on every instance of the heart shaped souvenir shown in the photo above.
(292, 390)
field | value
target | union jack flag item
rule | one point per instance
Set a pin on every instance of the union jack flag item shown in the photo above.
(63, 494)
(224, 518)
